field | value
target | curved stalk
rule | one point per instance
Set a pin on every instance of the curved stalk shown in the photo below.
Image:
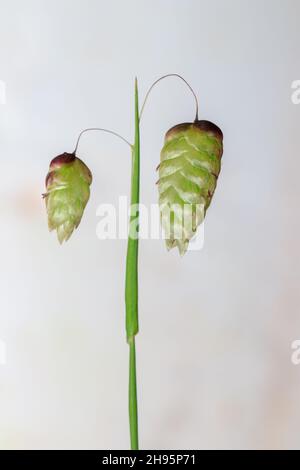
(131, 283)
(167, 76)
(102, 130)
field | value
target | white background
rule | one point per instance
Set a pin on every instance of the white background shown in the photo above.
(216, 327)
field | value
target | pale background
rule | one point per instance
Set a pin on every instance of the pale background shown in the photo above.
(214, 349)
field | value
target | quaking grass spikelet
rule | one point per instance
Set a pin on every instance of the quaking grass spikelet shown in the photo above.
(188, 172)
(67, 193)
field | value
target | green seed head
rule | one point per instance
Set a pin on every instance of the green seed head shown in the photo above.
(189, 168)
(67, 193)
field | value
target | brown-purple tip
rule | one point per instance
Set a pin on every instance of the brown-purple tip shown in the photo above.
(62, 159)
(206, 126)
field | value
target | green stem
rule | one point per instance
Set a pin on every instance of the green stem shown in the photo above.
(133, 412)
(131, 285)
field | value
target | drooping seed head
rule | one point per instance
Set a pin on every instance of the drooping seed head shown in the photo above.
(189, 168)
(67, 193)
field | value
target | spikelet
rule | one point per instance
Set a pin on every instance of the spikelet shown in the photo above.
(67, 193)
(189, 168)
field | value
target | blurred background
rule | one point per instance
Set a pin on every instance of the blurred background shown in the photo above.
(216, 327)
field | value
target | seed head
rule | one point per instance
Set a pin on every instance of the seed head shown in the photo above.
(188, 171)
(67, 193)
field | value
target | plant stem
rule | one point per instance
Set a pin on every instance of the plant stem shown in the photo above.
(131, 283)
(133, 412)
